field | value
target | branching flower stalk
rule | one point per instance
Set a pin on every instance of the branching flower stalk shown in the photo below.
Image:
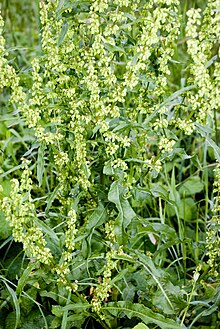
(21, 213)
(203, 34)
(102, 292)
(213, 236)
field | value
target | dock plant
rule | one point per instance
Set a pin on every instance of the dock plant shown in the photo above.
(114, 200)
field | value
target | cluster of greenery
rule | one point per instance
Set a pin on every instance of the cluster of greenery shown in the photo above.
(110, 175)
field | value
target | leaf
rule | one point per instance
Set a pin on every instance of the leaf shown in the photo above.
(108, 169)
(23, 279)
(126, 213)
(175, 294)
(40, 163)
(211, 61)
(187, 209)
(113, 48)
(158, 190)
(5, 229)
(204, 132)
(53, 243)
(35, 146)
(142, 312)
(60, 5)
(116, 195)
(28, 300)
(10, 321)
(49, 294)
(16, 305)
(51, 198)
(191, 186)
(141, 326)
(215, 148)
(135, 58)
(129, 292)
(77, 307)
(63, 32)
(156, 274)
(97, 218)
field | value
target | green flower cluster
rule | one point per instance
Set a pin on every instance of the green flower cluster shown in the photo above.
(20, 211)
(213, 236)
(102, 292)
(202, 32)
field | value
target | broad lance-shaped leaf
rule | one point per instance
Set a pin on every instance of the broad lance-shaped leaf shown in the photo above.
(142, 312)
(116, 195)
(97, 218)
(126, 213)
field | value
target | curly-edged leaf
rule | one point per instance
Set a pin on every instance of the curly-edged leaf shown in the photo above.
(140, 311)
(126, 213)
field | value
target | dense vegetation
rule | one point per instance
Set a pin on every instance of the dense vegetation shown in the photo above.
(110, 176)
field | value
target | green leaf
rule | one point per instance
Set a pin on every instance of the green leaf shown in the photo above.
(191, 186)
(108, 169)
(51, 198)
(40, 163)
(205, 131)
(169, 101)
(63, 32)
(113, 48)
(24, 277)
(17, 314)
(158, 190)
(141, 326)
(10, 321)
(142, 312)
(5, 229)
(129, 292)
(175, 294)
(97, 218)
(215, 148)
(116, 195)
(126, 213)
(156, 274)
(187, 208)
(76, 307)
